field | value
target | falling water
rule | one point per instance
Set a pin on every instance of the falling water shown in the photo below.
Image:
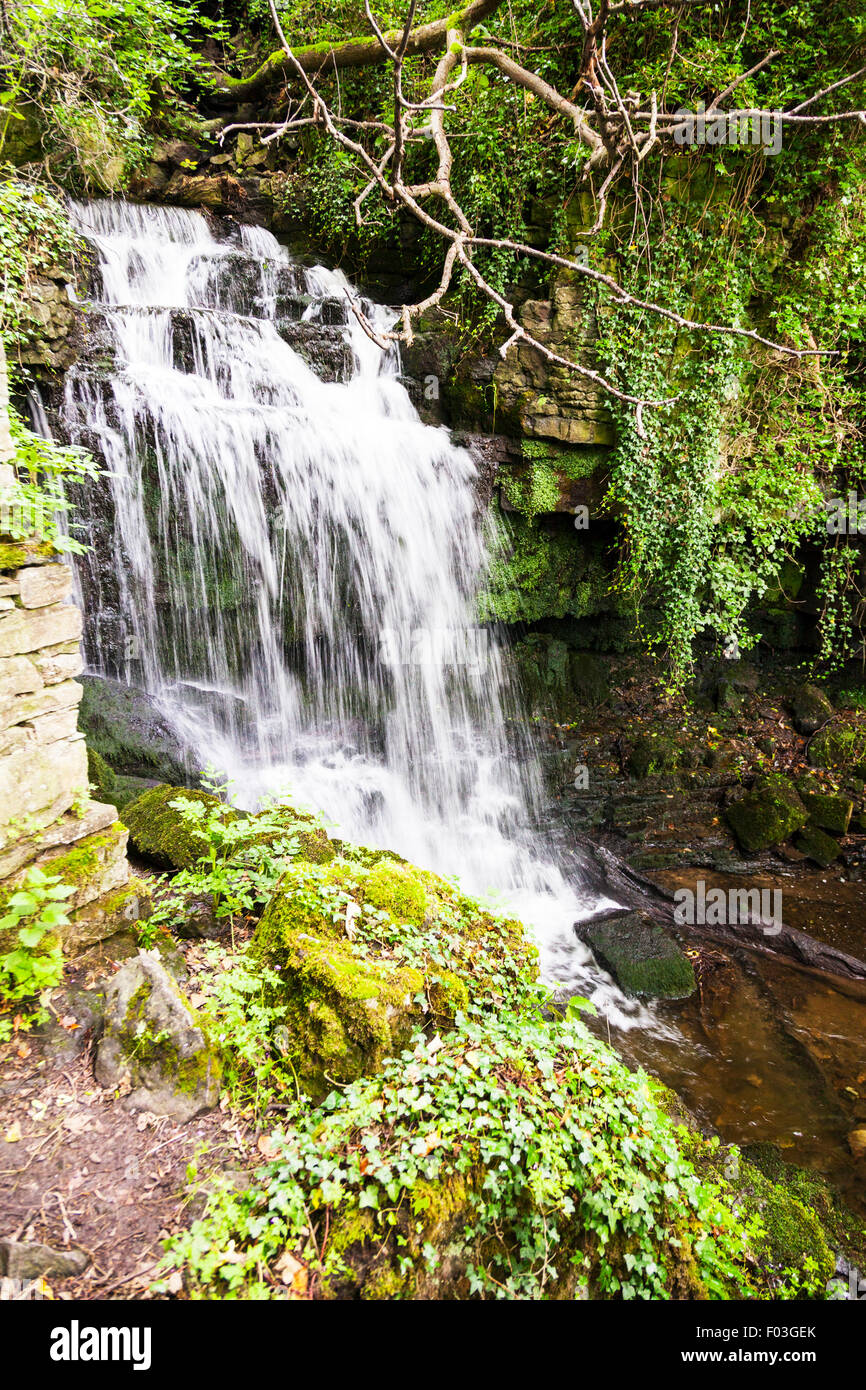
(296, 561)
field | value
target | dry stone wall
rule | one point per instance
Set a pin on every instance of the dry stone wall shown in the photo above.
(46, 814)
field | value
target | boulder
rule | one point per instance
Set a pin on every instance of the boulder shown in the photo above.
(841, 745)
(155, 1047)
(820, 848)
(159, 832)
(768, 814)
(126, 728)
(368, 951)
(810, 709)
(26, 1259)
(828, 811)
(645, 961)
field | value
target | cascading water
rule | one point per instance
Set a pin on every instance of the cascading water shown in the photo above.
(296, 562)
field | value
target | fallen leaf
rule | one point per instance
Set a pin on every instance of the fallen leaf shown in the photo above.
(14, 1133)
(265, 1146)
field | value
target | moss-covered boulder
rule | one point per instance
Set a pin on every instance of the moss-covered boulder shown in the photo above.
(841, 746)
(160, 833)
(645, 961)
(155, 1048)
(368, 953)
(810, 708)
(768, 814)
(828, 811)
(655, 753)
(822, 849)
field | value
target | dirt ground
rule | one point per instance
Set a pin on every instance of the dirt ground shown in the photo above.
(79, 1170)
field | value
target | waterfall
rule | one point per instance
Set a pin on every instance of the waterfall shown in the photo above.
(296, 560)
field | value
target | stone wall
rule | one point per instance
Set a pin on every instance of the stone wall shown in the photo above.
(46, 814)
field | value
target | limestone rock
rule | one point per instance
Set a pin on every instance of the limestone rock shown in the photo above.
(45, 584)
(26, 630)
(155, 1047)
(22, 1259)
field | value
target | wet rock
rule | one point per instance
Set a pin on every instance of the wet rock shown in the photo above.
(25, 1260)
(820, 848)
(155, 1048)
(128, 730)
(768, 814)
(643, 959)
(810, 709)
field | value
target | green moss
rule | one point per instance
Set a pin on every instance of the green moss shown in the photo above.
(397, 889)
(158, 831)
(842, 745)
(644, 960)
(768, 814)
(101, 778)
(828, 811)
(369, 954)
(537, 573)
(820, 848)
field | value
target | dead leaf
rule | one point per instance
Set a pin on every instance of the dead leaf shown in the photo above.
(265, 1146)
(14, 1133)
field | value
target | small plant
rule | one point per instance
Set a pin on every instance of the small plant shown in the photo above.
(35, 964)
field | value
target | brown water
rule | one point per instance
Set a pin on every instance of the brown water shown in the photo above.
(777, 1054)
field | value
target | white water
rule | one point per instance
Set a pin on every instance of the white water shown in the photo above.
(297, 564)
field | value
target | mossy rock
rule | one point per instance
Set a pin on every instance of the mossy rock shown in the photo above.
(842, 745)
(820, 848)
(655, 753)
(155, 1046)
(768, 814)
(802, 1219)
(369, 954)
(644, 960)
(158, 831)
(811, 708)
(101, 777)
(828, 811)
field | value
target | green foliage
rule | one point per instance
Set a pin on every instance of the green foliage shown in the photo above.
(36, 237)
(94, 74)
(34, 913)
(36, 504)
(240, 860)
(560, 1170)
